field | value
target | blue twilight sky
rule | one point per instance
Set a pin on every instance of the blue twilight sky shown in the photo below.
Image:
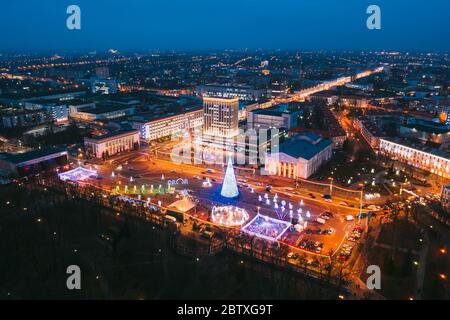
(33, 25)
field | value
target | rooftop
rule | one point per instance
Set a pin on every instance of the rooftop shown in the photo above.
(113, 134)
(104, 108)
(426, 148)
(276, 111)
(371, 126)
(305, 145)
(151, 116)
(30, 155)
(427, 126)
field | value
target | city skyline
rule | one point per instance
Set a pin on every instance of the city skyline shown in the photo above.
(205, 150)
(287, 25)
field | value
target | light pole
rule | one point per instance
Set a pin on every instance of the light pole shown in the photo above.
(331, 185)
(360, 201)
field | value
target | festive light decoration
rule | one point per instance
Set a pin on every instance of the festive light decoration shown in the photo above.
(207, 183)
(77, 174)
(229, 187)
(229, 216)
(266, 227)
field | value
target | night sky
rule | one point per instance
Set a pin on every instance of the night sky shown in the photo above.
(138, 25)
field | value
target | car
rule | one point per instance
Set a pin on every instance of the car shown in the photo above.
(320, 220)
(343, 203)
(196, 177)
(328, 200)
(292, 255)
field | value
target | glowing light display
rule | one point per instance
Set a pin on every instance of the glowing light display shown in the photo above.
(77, 174)
(266, 227)
(229, 216)
(229, 187)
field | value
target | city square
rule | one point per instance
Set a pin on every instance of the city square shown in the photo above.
(194, 152)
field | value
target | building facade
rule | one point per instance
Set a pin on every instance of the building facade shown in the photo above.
(220, 117)
(103, 86)
(445, 198)
(20, 118)
(57, 111)
(275, 117)
(227, 91)
(168, 126)
(432, 160)
(31, 162)
(101, 112)
(299, 157)
(370, 131)
(426, 130)
(104, 146)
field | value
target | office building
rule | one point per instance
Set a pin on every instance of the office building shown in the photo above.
(278, 117)
(220, 117)
(243, 92)
(151, 128)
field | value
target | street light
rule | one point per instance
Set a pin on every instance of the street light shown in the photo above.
(360, 201)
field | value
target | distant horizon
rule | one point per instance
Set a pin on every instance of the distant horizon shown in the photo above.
(202, 25)
(203, 51)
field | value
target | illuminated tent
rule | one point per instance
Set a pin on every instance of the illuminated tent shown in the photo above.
(183, 205)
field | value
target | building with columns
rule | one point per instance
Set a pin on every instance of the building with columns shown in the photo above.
(299, 157)
(112, 143)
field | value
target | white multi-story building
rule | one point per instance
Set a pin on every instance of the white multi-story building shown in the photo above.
(103, 86)
(370, 131)
(113, 143)
(300, 156)
(220, 117)
(275, 117)
(56, 110)
(242, 92)
(94, 112)
(420, 156)
(163, 127)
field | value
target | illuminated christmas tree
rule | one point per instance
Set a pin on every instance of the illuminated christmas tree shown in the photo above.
(229, 187)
